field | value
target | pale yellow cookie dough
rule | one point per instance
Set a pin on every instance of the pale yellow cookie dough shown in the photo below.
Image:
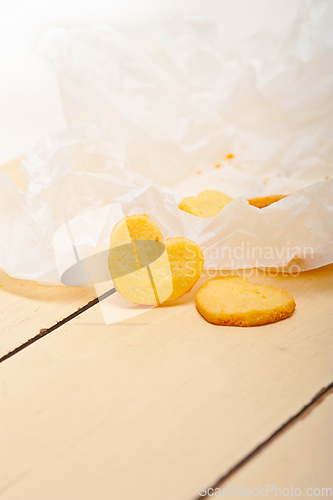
(186, 262)
(208, 203)
(142, 278)
(137, 275)
(265, 201)
(234, 301)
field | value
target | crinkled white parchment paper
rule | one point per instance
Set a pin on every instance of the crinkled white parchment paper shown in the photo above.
(161, 116)
(179, 101)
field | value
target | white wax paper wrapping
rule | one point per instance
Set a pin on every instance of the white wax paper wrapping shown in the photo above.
(74, 177)
(68, 174)
(180, 100)
(295, 234)
(165, 113)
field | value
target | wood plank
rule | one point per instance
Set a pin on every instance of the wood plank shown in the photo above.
(155, 406)
(301, 456)
(27, 307)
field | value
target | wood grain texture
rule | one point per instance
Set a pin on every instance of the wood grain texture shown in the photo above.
(157, 405)
(27, 307)
(301, 456)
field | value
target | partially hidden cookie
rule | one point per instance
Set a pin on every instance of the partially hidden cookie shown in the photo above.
(186, 263)
(234, 301)
(147, 270)
(265, 201)
(208, 203)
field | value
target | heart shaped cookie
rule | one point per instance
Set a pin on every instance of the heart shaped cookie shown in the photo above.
(186, 263)
(207, 204)
(145, 269)
(234, 301)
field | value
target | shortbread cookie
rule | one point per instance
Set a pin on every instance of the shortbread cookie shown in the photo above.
(207, 204)
(265, 201)
(186, 262)
(138, 261)
(145, 269)
(135, 227)
(234, 301)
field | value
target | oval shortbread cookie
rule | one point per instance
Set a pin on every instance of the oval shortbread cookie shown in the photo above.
(265, 201)
(207, 204)
(186, 262)
(234, 301)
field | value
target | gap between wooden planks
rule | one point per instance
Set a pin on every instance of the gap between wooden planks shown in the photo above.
(157, 405)
(27, 307)
(16, 283)
(299, 456)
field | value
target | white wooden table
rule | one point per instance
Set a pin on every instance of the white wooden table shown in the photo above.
(165, 405)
